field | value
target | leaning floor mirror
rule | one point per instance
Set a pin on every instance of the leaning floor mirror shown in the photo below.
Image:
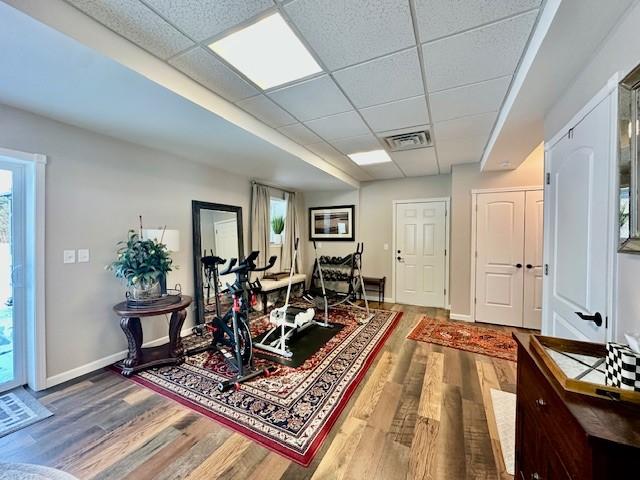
(217, 236)
(628, 156)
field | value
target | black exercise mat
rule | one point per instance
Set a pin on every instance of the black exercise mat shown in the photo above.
(303, 344)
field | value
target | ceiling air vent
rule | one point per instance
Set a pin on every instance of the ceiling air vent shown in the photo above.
(409, 141)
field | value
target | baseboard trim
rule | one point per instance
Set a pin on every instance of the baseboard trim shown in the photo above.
(104, 362)
(374, 298)
(460, 316)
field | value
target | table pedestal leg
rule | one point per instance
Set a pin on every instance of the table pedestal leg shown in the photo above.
(132, 329)
(176, 349)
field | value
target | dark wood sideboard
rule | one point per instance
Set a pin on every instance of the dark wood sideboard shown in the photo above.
(562, 435)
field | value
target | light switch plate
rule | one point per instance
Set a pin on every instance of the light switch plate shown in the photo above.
(69, 256)
(386, 246)
(83, 255)
(319, 245)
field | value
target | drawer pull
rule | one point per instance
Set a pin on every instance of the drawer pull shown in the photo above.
(541, 403)
(536, 476)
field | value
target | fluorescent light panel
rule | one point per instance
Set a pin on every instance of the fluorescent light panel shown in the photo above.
(370, 158)
(267, 52)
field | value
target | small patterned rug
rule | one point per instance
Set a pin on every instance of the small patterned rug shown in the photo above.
(291, 411)
(18, 409)
(465, 336)
(504, 413)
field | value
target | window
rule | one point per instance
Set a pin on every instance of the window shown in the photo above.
(276, 218)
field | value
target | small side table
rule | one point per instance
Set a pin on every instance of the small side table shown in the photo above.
(139, 358)
(377, 283)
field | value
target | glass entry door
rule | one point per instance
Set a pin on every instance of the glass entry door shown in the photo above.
(12, 295)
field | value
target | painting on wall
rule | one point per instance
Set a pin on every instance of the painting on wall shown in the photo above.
(332, 223)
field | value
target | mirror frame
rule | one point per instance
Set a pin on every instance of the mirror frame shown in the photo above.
(196, 207)
(628, 115)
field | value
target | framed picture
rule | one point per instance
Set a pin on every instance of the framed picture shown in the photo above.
(332, 223)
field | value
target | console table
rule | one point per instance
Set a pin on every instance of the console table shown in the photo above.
(139, 358)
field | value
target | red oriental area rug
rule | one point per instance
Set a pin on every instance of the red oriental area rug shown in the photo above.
(292, 411)
(465, 336)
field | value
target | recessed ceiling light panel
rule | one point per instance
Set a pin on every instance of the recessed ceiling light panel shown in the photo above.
(370, 158)
(267, 52)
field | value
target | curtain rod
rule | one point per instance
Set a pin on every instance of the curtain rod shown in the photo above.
(254, 182)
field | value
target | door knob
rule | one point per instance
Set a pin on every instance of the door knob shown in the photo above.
(399, 258)
(529, 266)
(518, 265)
(595, 318)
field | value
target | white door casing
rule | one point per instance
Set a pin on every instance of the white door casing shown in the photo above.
(420, 253)
(578, 193)
(533, 249)
(499, 261)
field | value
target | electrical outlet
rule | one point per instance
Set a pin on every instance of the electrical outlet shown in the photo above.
(69, 256)
(319, 245)
(83, 255)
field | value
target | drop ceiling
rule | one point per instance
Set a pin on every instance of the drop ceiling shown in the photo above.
(388, 66)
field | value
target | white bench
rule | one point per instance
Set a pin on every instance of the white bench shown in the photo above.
(271, 286)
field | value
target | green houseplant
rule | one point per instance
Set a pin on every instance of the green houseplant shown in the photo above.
(142, 264)
(277, 225)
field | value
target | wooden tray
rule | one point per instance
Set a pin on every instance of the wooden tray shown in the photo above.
(539, 344)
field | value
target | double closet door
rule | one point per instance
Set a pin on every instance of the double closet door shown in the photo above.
(508, 257)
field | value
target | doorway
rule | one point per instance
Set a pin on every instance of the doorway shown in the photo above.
(13, 306)
(506, 245)
(420, 262)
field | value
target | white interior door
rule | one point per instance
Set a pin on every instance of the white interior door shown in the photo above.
(420, 253)
(578, 197)
(533, 247)
(499, 260)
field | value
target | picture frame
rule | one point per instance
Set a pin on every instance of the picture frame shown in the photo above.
(334, 223)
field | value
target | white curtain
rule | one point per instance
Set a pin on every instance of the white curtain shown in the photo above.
(291, 232)
(260, 222)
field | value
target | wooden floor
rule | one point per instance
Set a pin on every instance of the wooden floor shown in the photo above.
(421, 412)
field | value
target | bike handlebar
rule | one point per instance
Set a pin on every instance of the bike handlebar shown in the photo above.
(248, 264)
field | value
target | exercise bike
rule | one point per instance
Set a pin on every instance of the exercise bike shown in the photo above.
(231, 334)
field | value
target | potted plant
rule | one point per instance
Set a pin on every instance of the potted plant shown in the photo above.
(143, 264)
(277, 225)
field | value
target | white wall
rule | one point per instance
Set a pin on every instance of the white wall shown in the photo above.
(96, 187)
(619, 52)
(465, 178)
(373, 218)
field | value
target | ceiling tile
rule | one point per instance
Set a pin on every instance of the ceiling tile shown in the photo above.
(461, 150)
(471, 126)
(344, 33)
(417, 162)
(342, 125)
(138, 24)
(468, 100)
(382, 80)
(488, 52)
(301, 134)
(267, 111)
(361, 143)
(206, 18)
(313, 98)
(205, 68)
(331, 155)
(437, 18)
(383, 171)
(395, 115)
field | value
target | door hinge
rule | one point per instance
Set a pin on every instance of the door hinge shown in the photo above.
(606, 321)
(548, 178)
(475, 300)
(445, 291)
(570, 134)
(445, 252)
(476, 254)
(546, 269)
